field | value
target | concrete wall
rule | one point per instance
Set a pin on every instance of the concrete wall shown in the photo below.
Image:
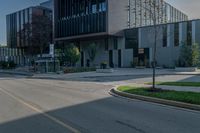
(167, 56)
(117, 16)
(102, 54)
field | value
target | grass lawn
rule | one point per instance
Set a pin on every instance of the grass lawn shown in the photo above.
(191, 84)
(181, 96)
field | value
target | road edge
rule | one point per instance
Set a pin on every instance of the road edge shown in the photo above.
(16, 73)
(115, 91)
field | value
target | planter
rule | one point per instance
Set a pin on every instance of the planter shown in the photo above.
(104, 70)
(103, 66)
(186, 69)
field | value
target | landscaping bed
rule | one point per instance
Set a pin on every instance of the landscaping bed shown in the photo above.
(189, 84)
(180, 96)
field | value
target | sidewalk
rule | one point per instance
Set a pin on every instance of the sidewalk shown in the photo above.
(117, 72)
(165, 87)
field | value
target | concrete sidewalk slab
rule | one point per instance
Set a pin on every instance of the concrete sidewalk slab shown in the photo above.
(117, 72)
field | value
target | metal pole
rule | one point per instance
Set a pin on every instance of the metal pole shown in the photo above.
(54, 64)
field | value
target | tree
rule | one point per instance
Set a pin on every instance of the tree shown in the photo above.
(92, 50)
(185, 58)
(154, 13)
(38, 34)
(41, 31)
(195, 55)
(71, 55)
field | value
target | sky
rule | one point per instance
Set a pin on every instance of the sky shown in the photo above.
(190, 7)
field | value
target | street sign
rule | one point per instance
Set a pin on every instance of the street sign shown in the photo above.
(51, 50)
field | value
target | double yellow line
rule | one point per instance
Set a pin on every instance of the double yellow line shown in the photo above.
(66, 126)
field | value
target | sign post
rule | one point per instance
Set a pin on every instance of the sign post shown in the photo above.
(52, 53)
(51, 50)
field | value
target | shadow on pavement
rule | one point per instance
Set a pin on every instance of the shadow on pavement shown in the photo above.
(195, 78)
(96, 78)
(91, 115)
(108, 115)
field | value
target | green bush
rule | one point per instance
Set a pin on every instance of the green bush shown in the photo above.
(7, 65)
(71, 55)
(195, 55)
(185, 58)
(12, 64)
(103, 65)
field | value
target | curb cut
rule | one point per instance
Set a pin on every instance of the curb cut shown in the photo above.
(155, 100)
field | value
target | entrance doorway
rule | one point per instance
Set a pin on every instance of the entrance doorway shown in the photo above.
(143, 57)
(111, 59)
(82, 59)
(119, 58)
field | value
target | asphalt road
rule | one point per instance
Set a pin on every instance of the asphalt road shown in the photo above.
(55, 106)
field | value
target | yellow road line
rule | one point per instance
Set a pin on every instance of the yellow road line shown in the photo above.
(41, 112)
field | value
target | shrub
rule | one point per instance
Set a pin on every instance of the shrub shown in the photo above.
(103, 65)
(7, 65)
(185, 58)
(195, 55)
(71, 55)
(189, 56)
(12, 64)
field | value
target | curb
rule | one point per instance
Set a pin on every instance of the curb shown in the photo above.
(155, 100)
(16, 73)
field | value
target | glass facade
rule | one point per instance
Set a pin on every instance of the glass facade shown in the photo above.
(131, 39)
(189, 33)
(17, 34)
(141, 13)
(76, 17)
(164, 35)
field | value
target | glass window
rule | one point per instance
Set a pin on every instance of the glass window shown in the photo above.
(189, 33)
(131, 39)
(102, 6)
(165, 36)
(115, 43)
(94, 8)
(176, 34)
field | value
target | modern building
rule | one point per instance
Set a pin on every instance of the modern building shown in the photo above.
(140, 13)
(108, 24)
(13, 54)
(20, 29)
(47, 4)
(139, 43)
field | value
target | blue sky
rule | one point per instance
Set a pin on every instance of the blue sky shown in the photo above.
(190, 7)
